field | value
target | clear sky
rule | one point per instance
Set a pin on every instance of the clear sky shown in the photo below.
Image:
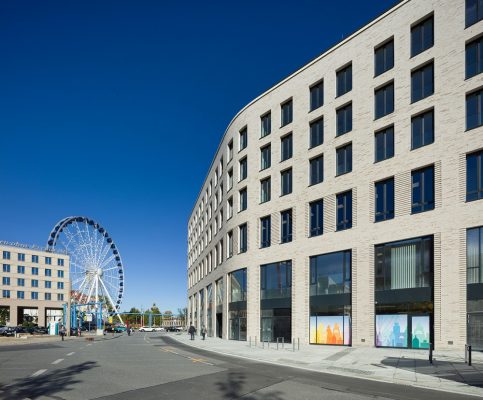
(114, 109)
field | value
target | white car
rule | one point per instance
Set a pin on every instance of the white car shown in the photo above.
(147, 329)
(159, 329)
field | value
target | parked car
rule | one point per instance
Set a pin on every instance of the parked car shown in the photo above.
(173, 329)
(119, 329)
(8, 331)
(41, 330)
(147, 329)
(159, 329)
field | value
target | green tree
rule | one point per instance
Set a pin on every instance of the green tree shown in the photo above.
(4, 315)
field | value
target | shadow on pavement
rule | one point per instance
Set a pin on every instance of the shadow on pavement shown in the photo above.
(235, 386)
(46, 384)
(454, 371)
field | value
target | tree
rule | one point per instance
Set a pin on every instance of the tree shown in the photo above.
(4, 315)
(183, 315)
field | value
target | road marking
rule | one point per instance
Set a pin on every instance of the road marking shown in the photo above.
(58, 361)
(71, 353)
(90, 344)
(39, 372)
(200, 360)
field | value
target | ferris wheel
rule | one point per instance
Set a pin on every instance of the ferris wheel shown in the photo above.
(96, 270)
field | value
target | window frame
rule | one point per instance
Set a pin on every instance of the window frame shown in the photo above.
(346, 150)
(424, 204)
(343, 79)
(387, 66)
(386, 213)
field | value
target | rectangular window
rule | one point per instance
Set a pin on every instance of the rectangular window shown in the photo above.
(474, 58)
(286, 222)
(229, 206)
(474, 11)
(243, 169)
(48, 296)
(422, 189)
(20, 282)
(60, 285)
(48, 260)
(48, 272)
(265, 157)
(6, 281)
(60, 262)
(286, 147)
(6, 255)
(316, 170)
(344, 119)
(21, 257)
(48, 284)
(474, 109)
(60, 274)
(60, 297)
(230, 179)
(474, 176)
(287, 113)
(35, 283)
(384, 144)
(344, 159)
(229, 249)
(243, 231)
(422, 36)
(6, 294)
(384, 100)
(20, 269)
(384, 200)
(316, 218)
(265, 190)
(243, 199)
(276, 280)
(422, 82)
(35, 271)
(238, 285)
(286, 181)
(384, 57)
(243, 139)
(229, 151)
(422, 129)
(265, 231)
(317, 95)
(330, 273)
(20, 294)
(344, 80)
(316, 133)
(474, 255)
(35, 259)
(344, 210)
(266, 124)
(6, 267)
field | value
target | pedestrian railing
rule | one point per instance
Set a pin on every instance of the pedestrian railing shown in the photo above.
(279, 343)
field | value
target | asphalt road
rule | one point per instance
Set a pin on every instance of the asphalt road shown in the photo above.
(154, 366)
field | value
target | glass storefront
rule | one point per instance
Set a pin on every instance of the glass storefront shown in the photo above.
(195, 307)
(202, 309)
(238, 325)
(219, 307)
(237, 306)
(53, 315)
(474, 288)
(209, 310)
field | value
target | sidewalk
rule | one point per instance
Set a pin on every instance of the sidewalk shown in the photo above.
(408, 367)
(30, 339)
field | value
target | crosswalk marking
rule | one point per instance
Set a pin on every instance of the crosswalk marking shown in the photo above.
(39, 372)
(58, 361)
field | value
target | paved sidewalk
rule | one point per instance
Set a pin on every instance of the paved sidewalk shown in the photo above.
(408, 367)
(30, 339)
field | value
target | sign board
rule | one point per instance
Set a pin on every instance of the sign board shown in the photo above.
(89, 317)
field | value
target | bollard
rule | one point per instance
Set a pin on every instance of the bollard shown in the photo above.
(466, 353)
(298, 344)
(469, 355)
(293, 345)
(277, 343)
(250, 341)
(283, 343)
(430, 353)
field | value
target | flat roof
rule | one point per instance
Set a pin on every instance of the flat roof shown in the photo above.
(32, 247)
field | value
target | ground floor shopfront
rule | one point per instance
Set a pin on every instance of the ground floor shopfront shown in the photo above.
(15, 313)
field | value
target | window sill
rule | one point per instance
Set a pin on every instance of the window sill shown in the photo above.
(316, 108)
(343, 173)
(263, 137)
(384, 159)
(422, 98)
(281, 161)
(473, 127)
(286, 194)
(314, 184)
(287, 124)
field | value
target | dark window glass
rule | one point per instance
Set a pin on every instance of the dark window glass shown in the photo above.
(287, 113)
(20, 294)
(276, 280)
(316, 218)
(286, 219)
(243, 138)
(474, 110)
(317, 96)
(238, 285)
(316, 132)
(422, 82)
(474, 11)
(243, 238)
(266, 124)
(404, 265)
(474, 255)
(384, 100)
(344, 80)
(287, 147)
(423, 189)
(474, 58)
(265, 190)
(265, 234)
(422, 129)
(422, 36)
(384, 200)
(286, 179)
(243, 199)
(243, 169)
(474, 176)
(344, 119)
(344, 210)
(330, 273)
(316, 170)
(384, 144)
(266, 158)
(384, 58)
(344, 159)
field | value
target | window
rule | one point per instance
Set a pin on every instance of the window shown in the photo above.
(276, 280)
(6, 294)
(384, 57)
(384, 100)
(48, 272)
(48, 260)
(286, 180)
(316, 218)
(60, 285)
(474, 11)
(6, 281)
(422, 129)
(229, 246)
(243, 238)
(48, 284)
(423, 189)
(474, 255)
(230, 179)
(265, 157)
(344, 80)
(35, 271)
(286, 147)
(344, 210)
(34, 295)
(474, 176)
(20, 282)
(243, 199)
(317, 132)
(266, 124)
(48, 296)
(6, 267)
(317, 95)
(35, 259)
(243, 169)
(20, 294)
(286, 222)
(60, 297)
(238, 285)
(21, 257)
(20, 269)
(6, 255)
(287, 113)
(60, 262)
(344, 119)
(330, 273)
(229, 206)
(474, 58)
(60, 274)
(384, 144)
(243, 139)
(316, 170)
(422, 36)
(35, 283)
(384, 200)
(229, 151)
(265, 190)
(344, 159)
(474, 110)
(422, 82)
(265, 236)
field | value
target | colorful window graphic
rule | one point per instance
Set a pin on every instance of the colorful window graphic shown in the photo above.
(330, 329)
(392, 330)
(420, 336)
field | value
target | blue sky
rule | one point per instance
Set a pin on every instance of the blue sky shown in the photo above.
(114, 109)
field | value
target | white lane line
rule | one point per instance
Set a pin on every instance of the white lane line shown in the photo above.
(90, 344)
(71, 353)
(39, 372)
(58, 361)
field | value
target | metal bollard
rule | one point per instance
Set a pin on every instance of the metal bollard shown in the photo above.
(469, 355)
(430, 353)
(298, 344)
(283, 343)
(277, 343)
(466, 353)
